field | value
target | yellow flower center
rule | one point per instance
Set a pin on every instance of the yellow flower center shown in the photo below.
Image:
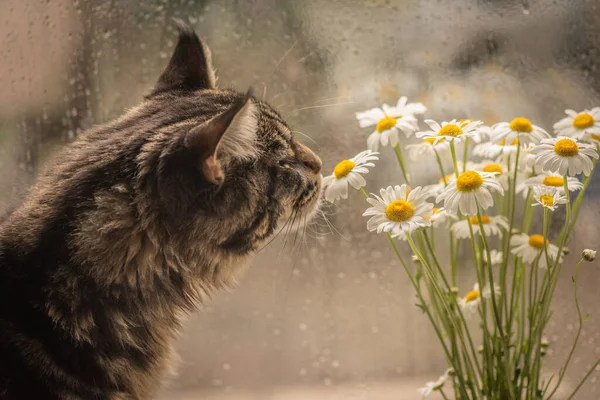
(521, 125)
(399, 211)
(537, 241)
(553, 181)
(429, 140)
(435, 210)
(595, 137)
(469, 181)
(547, 200)
(566, 148)
(492, 167)
(484, 220)
(446, 179)
(472, 296)
(343, 169)
(450, 130)
(503, 142)
(583, 120)
(386, 123)
(464, 122)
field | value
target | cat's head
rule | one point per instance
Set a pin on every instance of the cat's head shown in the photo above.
(224, 159)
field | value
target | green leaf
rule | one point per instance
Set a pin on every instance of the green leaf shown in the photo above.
(587, 316)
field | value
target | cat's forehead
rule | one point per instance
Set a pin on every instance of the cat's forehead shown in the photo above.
(276, 127)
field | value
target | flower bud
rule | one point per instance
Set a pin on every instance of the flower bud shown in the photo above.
(589, 255)
(544, 343)
(415, 259)
(565, 250)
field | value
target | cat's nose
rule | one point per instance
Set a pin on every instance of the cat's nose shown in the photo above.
(310, 159)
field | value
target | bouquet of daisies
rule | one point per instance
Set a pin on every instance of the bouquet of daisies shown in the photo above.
(498, 187)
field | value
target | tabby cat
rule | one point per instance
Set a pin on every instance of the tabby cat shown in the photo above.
(138, 221)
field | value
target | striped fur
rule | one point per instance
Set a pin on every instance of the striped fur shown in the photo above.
(126, 233)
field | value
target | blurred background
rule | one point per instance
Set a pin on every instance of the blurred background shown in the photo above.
(329, 315)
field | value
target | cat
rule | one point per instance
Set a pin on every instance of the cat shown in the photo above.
(138, 222)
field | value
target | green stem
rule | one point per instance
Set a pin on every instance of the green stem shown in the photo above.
(563, 370)
(584, 379)
(400, 158)
(454, 161)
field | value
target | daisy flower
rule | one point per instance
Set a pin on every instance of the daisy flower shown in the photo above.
(449, 131)
(439, 187)
(499, 169)
(564, 155)
(495, 149)
(440, 217)
(496, 256)
(428, 147)
(403, 107)
(348, 172)
(551, 180)
(521, 129)
(528, 247)
(491, 226)
(471, 301)
(388, 121)
(578, 125)
(547, 197)
(398, 211)
(432, 386)
(470, 191)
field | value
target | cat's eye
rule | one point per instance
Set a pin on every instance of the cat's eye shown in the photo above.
(285, 164)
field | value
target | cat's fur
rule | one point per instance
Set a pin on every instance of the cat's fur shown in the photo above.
(137, 222)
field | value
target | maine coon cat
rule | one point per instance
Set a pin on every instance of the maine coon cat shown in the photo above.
(136, 223)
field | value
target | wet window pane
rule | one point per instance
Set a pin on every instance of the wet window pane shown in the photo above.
(327, 313)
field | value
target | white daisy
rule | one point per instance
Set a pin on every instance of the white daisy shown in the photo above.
(471, 301)
(528, 247)
(578, 125)
(403, 107)
(551, 180)
(496, 256)
(439, 187)
(499, 169)
(440, 217)
(495, 149)
(388, 121)
(450, 131)
(479, 134)
(428, 147)
(432, 386)
(519, 128)
(491, 226)
(548, 197)
(348, 172)
(470, 190)
(564, 155)
(398, 210)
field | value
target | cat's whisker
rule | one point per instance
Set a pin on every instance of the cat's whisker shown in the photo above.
(281, 59)
(332, 98)
(289, 229)
(308, 137)
(317, 106)
(334, 228)
(274, 237)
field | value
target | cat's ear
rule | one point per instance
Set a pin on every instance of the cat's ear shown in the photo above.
(190, 66)
(230, 135)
